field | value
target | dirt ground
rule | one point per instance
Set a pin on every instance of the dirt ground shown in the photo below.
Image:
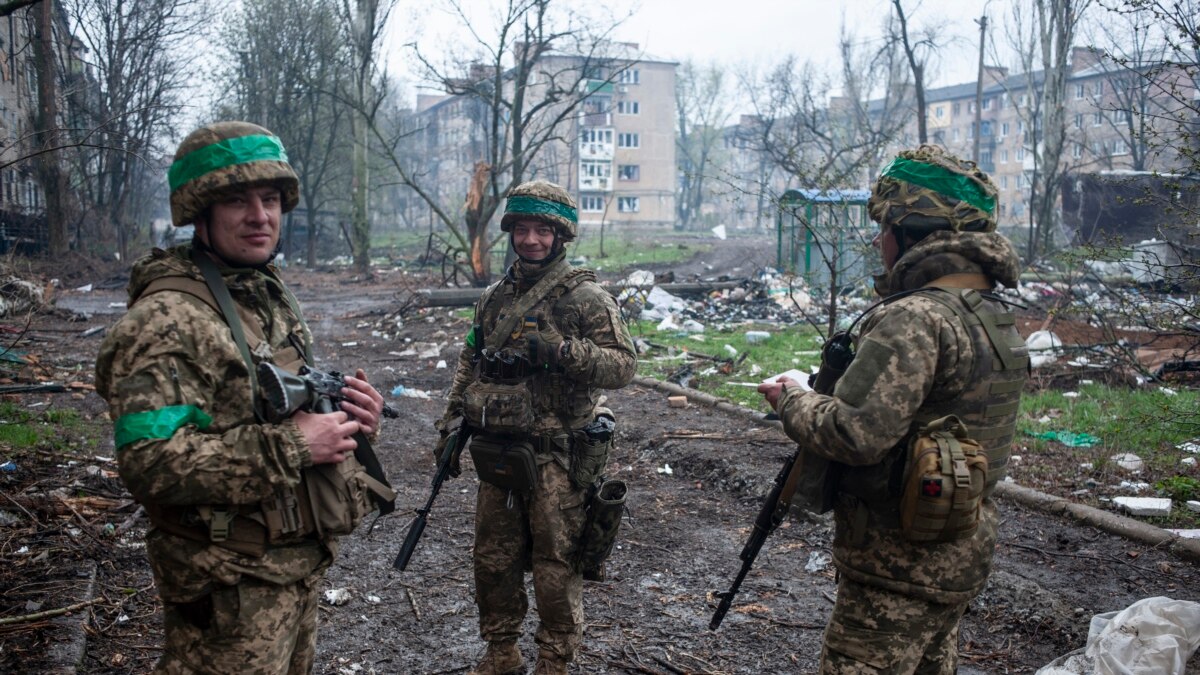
(696, 479)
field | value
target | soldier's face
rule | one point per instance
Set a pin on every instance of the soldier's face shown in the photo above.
(532, 239)
(889, 248)
(243, 227)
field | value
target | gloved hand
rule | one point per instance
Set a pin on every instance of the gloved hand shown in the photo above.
(546, 347)
(448, 437)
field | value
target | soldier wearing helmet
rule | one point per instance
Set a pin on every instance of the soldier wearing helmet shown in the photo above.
(236, 556)
(940, 347)
(544, 341)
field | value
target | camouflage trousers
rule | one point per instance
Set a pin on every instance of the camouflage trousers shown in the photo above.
(539, 531)
(873, 631)
(252, 628)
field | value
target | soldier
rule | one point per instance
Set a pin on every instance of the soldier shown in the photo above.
(939, 344)
(545, 339)
(235, 553)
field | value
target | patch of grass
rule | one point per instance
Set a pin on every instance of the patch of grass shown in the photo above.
(788, 347)
(1124, 420)
(22, 428)
(623, 253)
(1179, 488)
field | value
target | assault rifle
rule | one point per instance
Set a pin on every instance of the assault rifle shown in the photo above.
(454, 447)
(774, 511)
(316, 391)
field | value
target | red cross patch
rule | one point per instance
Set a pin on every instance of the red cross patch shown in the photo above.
(931, 487)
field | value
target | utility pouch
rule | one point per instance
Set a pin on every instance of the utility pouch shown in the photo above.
(600, 532)
(589, 451)
(338, 496)
(497, 407)
(507, 463)
(943, 484)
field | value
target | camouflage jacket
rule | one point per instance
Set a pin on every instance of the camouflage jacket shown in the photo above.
(172, 360)
(601, 356)
(912, 363)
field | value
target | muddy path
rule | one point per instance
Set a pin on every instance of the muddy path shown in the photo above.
(686, 525)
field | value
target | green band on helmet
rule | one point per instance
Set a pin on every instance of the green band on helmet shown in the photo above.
(157, 424)
(942, 180)
(231, 151)
(534, 205)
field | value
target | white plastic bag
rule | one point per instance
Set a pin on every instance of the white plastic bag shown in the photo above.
(1153, 636)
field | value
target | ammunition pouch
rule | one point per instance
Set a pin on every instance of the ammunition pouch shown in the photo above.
(604, 511)
(943, 484)
(337, 497)
(498, 407)
(590, 448)
(227, 528)
(507, 463)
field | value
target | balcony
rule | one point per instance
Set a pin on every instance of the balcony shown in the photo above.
(594, 184)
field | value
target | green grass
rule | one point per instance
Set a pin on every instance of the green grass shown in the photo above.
(1146, 421)
(788, 347)
(22, 428)
(622, 253)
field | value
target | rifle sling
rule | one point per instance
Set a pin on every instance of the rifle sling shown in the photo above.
(516, 312)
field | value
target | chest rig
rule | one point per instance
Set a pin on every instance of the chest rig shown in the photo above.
(510, 389)
(987, 407)
(330, 500)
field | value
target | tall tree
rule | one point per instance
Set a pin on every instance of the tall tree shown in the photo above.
(520, 85)
(286, 59)
(702, 109)
(50, 172)
(141, 54)
(919, 49)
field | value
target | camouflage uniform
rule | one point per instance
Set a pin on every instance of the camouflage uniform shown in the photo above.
(171, 360)
(899, 602)
(541, 530)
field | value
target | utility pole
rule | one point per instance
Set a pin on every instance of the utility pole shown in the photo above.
(982, 21)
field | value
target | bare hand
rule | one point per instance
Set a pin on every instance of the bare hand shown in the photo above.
(773, 391)
(328, 435)
(363, 402)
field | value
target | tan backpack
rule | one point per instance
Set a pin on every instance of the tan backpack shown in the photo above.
(943, 484)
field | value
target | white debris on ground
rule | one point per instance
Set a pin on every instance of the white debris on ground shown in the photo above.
(338, 596)
(1144, 506)
(1153, 636)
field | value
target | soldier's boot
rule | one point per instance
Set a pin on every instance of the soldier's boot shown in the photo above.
(501, 658)
(549, 663)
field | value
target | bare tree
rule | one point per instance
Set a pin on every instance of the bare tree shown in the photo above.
(520, 89)
(286, 59)
(141, 55)
(919, 49)
(49, 169)
(702, 110)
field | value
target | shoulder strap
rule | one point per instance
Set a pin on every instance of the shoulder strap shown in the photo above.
(526, 302)
(966, 304)
(199, 290)
(220, 292)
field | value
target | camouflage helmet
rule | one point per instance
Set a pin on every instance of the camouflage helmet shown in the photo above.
(544, 201)
(224, 155)
(930, 189)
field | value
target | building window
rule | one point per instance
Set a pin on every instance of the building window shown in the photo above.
(591, 203)
(1120, 117)
(1078, 92)
(628, 140)
(956, 109)
(970, 131)
(1097, 118)
(987, 103)
(1024, 100)
(629, 76)
(1004, 156)
(971, 108)
(939, 111)
(1119, 147)
(596, 136)
(956, 133)
(1078, 120)
(593, 169)
(985, 157)
(1003, 182)
(1077, 151)
(1097, 149)
(1003, 129)
(629, 172)
(1021, 154)
(628, 108)
(629, 204)
(1098, 88)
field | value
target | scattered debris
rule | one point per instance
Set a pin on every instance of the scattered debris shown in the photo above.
(1069, 438)
(338, 596)
(677, 401)
(666, 470)
(1144, 506)
(1128, 461)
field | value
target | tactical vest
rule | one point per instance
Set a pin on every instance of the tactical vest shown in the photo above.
(286, 518)
(988, 407)
(501, 349)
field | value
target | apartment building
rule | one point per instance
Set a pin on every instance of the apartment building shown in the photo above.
(616, 153)
(1103, 107)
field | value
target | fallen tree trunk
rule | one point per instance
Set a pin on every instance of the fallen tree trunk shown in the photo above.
(465, 297)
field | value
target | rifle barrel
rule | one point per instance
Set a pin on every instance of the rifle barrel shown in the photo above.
(410, 541)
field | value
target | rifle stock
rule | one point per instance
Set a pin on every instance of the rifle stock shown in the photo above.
(443, 471)
(774, 510)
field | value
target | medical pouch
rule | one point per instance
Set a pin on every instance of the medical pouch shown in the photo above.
(498, 407)
(943, 484)
(507, 463)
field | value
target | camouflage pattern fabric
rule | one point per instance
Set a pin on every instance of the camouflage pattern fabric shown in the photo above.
(568, 227)
(912, 362)
(549, 521)
(171, 349)
(877, 632)
(541, 531)
(253, 628)
(901, 203)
